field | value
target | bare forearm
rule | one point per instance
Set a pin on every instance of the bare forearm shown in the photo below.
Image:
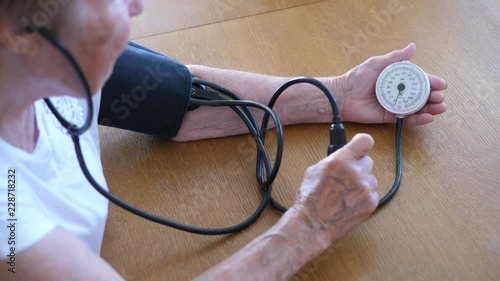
(275, 255)
(299, 104)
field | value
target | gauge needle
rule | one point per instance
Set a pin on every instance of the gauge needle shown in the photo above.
(401, 88)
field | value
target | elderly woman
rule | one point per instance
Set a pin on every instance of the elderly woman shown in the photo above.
(61, 219)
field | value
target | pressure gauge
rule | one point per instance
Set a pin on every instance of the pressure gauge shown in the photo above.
(403, 88)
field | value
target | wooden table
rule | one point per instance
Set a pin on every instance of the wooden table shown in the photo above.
(444, 223)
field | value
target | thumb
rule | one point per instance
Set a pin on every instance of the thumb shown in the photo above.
(358, 147)
(381, 62)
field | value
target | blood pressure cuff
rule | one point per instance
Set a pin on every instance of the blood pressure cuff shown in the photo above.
(147, 93)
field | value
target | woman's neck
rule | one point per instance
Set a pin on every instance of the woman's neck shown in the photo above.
(19, 128)
(18, 93)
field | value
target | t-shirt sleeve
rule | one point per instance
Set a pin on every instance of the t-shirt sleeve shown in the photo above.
(147, 92)
(22, 222)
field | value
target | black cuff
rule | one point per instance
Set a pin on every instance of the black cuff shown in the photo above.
(147, 93)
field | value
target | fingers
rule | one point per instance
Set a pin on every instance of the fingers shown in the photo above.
(426, 114)
(380, 62)
(366, 164)
(419, 119)
(373, 183)
(373, 195)
(358, 147)
(436, 97)
(375, 199)
(434, 108)
(437, 83)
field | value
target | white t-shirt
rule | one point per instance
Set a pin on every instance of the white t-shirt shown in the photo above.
(50, 189)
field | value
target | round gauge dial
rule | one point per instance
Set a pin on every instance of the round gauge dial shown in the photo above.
(403, 88)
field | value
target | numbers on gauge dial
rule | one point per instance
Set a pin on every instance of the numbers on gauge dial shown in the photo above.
(403, 88)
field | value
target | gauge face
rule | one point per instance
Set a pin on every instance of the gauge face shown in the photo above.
(403, 88)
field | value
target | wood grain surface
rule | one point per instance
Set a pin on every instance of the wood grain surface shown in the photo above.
(444, 223)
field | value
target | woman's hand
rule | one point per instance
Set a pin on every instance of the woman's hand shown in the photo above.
(339, 192)
(357, 92)
(304, 103)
